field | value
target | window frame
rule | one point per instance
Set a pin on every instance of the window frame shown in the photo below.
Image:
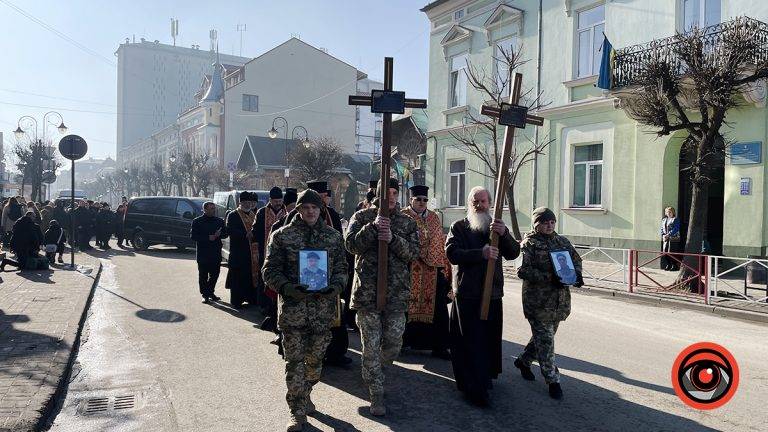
(587, 166)
(250, 98)
(701, 16)
(593, 38)
(461, 177)
(459, 73)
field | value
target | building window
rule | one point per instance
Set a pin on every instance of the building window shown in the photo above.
(700, 13)
(457, 171)
(377, 133)
(501, 67)
(591, 24)
(587, 175)
(250, 103)
(459, 14)
(458, 84)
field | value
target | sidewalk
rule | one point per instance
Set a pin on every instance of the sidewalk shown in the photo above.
(41, 315)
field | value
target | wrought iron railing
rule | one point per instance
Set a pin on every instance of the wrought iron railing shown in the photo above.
(629, 61)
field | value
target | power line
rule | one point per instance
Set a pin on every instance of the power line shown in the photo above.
(71, 109)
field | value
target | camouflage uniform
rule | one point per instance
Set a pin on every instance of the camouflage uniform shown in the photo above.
(305, 319)
(546, 301)
(381, 332)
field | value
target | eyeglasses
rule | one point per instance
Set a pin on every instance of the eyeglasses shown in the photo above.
(422, 199)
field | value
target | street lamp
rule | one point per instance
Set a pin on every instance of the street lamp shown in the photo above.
(272, 133)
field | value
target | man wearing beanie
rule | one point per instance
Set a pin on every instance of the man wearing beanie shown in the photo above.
(381, 332)
(305, 316)
(265, 218)
(476, 343)
(546, 299)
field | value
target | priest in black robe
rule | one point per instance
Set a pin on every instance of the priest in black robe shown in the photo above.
(243, 252)
(476, 344)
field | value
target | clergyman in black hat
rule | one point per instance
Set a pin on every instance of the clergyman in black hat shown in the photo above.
(243, 252)
(262, 227)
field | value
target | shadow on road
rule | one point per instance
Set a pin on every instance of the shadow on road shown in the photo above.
(19, 349)
(41, 276)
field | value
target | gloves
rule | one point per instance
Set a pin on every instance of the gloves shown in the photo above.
(579, 280)
(295, 291)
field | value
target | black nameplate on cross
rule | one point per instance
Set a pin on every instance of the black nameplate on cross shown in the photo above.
(386, 102)
(512, 115)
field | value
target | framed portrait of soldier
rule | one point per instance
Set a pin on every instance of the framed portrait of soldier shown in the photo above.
(313, 269)
(564, 268)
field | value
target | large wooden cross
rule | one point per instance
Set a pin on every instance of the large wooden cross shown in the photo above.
(387, 102)
(512, 116)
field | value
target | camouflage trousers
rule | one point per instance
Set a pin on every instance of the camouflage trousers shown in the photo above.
(381, 334)
(541, 347)
(304, 352)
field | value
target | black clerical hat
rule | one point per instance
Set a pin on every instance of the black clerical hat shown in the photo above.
(275, 193)
(419, 190)
(318, 186)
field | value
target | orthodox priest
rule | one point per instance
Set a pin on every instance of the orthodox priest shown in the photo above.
(476, 344)
(242, 276)
(265, 218)
(427, 325)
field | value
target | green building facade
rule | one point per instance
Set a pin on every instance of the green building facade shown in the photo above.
(607, 177)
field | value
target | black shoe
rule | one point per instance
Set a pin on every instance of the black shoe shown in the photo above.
(479, 399)
(206, 300)
(338, 362)
(441, 354)
(525, 371)
(214, 297)
(555, 391)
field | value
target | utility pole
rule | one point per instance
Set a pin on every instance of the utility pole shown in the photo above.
(241, 28)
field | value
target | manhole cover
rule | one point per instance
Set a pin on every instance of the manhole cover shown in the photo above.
(108, 404)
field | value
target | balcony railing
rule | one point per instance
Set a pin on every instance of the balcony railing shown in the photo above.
(628, 62)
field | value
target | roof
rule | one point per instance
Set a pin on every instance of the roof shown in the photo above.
(215, 90)
(295, 39)
(264, 151)
(433, 5)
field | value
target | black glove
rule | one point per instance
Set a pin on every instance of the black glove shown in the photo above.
(579, 280)
(325, 291)
(295, 291)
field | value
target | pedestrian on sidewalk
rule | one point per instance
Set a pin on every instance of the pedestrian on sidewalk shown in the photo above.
(546, 299)
(305, 317)
(207, 231)
(105, 221)
(54, 240)
(670, 240)
(25, 242)
(12, 211)
(120, 224)
(476, 343)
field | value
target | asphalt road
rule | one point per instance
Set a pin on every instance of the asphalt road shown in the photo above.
(195, 367)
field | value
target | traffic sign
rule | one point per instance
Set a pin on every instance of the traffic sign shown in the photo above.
(73, 147)
(49, 177)
(231, 166)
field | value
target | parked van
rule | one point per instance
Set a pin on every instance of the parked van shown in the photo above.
(161, 220)
(228, 201)
(67, 194)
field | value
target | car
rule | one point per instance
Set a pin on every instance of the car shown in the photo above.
(227, 201)
(161, 220)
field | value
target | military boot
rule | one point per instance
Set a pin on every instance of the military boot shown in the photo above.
(555, 391)
(525, 371)
(309, 407)
(377, 405)
(296, 423)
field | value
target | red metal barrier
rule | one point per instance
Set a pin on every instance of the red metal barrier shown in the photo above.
(692, 281)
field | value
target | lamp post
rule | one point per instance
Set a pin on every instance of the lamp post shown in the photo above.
(38, 146)
(272, 133)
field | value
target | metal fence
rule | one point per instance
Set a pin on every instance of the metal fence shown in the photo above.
(736, 279)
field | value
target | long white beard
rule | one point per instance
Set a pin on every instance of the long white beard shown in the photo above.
(479, 221)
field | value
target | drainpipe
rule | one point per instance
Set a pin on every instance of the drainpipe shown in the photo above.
(536, 131)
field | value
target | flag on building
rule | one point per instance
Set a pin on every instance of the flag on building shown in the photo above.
(605, 80)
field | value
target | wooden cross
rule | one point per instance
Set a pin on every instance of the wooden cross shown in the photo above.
(387, 102)
(512, 116)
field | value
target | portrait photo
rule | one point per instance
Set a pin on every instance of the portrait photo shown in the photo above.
(564, 266)
(313, 269)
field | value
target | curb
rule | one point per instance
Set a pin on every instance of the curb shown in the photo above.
(53, 405)
(645, 298)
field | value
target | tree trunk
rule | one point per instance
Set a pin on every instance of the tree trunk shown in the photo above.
(697, 223)
(513, 213)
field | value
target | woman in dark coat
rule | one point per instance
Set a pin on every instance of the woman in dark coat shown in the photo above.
(670, 239)
(55, 236)
(25, 241)
(243, 252)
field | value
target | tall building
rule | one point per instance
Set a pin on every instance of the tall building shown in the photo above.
(368, 125)
(155, 83)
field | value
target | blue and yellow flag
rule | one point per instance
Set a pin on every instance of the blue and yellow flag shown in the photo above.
(605, 80)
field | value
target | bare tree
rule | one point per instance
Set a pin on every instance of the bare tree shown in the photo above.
(689, 83)
(483, 138)
(197, 171)
(33, 159)
(148, 181)
(241, 179)
(318, 160)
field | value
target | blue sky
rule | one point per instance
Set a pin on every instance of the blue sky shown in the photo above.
(41, 71)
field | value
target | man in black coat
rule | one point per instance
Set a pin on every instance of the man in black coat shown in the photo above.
(207, 231)
(83, 221)
(105, 221)
(476, 344)
(243, 252)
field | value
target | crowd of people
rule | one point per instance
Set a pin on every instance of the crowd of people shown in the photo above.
(31, 230)
(316, 280)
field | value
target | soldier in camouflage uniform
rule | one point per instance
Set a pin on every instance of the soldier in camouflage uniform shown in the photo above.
(304, 317)
(381, 332)
(546, 300)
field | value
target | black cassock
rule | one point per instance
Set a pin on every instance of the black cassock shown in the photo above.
(240, 276)
(476, 344)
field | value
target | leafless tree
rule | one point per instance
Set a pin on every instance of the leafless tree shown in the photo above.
(318, 160)
(33, 159)
(689, 83)
(197, 170)
(483, 138)
(241, 179)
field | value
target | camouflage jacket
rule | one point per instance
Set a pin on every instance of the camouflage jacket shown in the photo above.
(281, 270)
(544, 297)
(361, 240)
